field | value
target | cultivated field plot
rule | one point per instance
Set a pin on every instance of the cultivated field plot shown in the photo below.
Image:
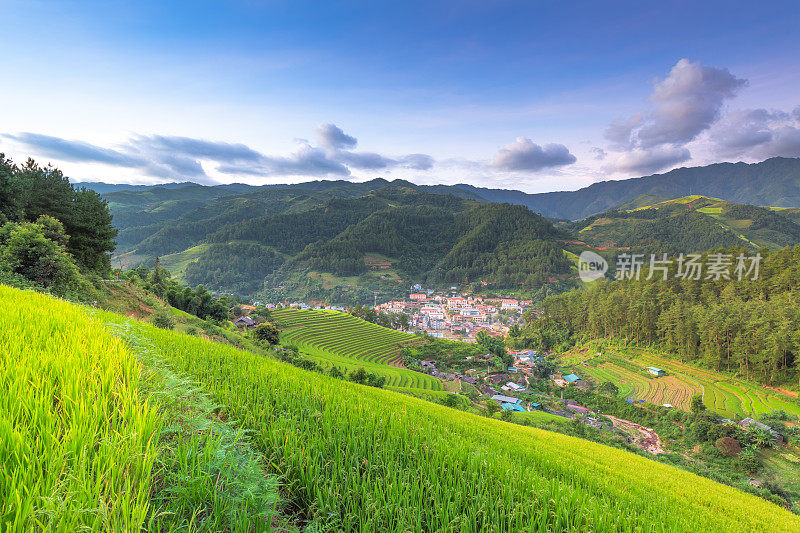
(338, 339)
(723, 394)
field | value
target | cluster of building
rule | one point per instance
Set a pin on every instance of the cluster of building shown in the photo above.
(456, 316)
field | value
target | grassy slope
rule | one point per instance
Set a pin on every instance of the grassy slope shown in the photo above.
(76, 435)
(363, 459)
(177, 263)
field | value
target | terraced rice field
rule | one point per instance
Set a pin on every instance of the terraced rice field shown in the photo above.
(332, 338)
(723, 394)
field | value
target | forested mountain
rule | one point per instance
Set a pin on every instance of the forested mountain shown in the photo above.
(746, 325)
(688, 224)
(774, 182)
(418, 236)
(499, 243)
(440, 233)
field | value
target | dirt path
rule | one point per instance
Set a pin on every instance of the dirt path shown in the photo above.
(791, 393)
(647, 438)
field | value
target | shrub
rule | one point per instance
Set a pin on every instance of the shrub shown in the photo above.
(163, 319)
(35, 251)
(697, 404)
(700, 429)
(748, 461)
(728, 446)
(609, 389)
(359, 376)
(451, 400)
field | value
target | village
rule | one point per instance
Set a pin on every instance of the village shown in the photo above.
(438, 313)
(457, 316)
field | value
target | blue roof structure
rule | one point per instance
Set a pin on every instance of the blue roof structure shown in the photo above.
(571, 378)
(513, 407)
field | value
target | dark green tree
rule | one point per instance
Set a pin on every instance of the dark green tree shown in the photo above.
(267, 332)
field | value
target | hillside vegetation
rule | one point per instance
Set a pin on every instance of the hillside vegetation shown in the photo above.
(76, 434)
(353, 458)
(742, 326)
(721, 393)
(276, 241)
(774, 182)
(687, 224)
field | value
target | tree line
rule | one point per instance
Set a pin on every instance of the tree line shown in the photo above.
(748, 327)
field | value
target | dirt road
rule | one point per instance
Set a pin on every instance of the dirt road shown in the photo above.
(645, 438)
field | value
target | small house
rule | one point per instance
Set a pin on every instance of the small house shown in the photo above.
(749, 423)
(571, 378)
(505, 399)
(245, 322)
(513, 407)
(655, 371)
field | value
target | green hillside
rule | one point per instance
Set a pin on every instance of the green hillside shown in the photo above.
(346, 457)
(237, 244)
(723, 394)
(775, 181)
(687, 224)
(441, 235)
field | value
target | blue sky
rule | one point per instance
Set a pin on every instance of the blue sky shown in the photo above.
(531, 95)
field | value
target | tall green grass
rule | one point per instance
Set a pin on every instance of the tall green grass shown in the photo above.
(76, 438)
(362, 459)
(350, 458)
(208, 476)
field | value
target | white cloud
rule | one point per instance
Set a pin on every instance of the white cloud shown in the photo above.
(757, 134)
(527, 156)
(332, 137)
(649, 160)
(685, 104)
(179, 158)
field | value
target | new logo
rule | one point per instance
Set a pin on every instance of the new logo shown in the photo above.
(591, 266)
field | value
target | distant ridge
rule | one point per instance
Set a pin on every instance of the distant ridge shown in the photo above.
(774, 182)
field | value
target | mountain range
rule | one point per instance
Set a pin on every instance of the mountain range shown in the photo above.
(324, 236)
(774, 182)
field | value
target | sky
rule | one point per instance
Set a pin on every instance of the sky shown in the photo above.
(534, 95)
